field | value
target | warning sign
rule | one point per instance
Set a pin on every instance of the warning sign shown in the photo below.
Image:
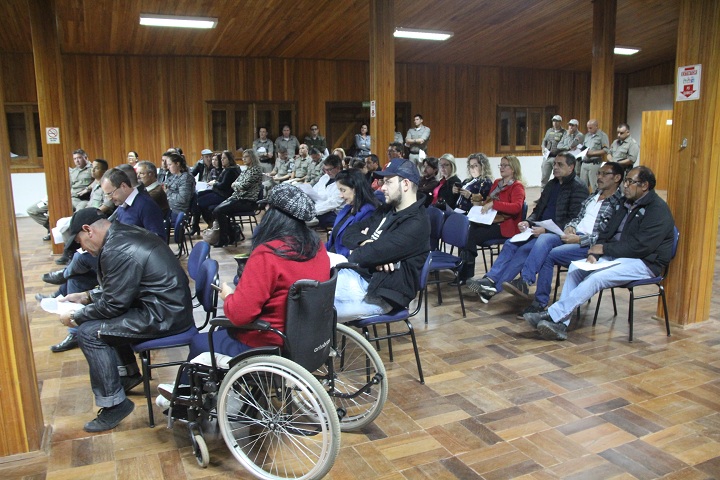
(52, 135)
(688, 83)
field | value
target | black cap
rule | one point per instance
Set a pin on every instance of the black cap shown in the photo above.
(85, 216)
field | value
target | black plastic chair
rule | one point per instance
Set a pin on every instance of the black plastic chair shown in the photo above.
(657, 281)
(400, 315)
(454, 233)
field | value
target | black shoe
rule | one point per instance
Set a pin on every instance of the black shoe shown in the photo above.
(69, 343)
(130, 382)
(532, 308)
(40, 297)
(518, 287)
(533, 319)
(485, 285)
(64, 260)
(46, 238)
(550, 330)
(455, 283)
(110, 417)
(55, 278)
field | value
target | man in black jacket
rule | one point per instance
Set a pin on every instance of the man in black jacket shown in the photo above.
(560, 201)
(390, 247)
(639, 236)
(143, 294)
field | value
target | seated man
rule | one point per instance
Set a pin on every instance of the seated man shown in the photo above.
(390, 247)
(560, 201)
(147, 176)
(640, 236)
(144, 293)
(580, 234)
(284, 166)
(302, 166)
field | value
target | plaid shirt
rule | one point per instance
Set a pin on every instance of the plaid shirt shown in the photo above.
(608, 207)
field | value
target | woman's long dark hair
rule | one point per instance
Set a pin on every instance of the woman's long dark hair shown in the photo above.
(363, 193)
(301, 243)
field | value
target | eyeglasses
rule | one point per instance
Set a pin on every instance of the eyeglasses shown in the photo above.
(504, 165)
(328, 169)
(630, 181)
(600, 173)
(109, 195)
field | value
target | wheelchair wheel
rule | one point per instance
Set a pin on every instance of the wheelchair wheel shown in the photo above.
(356, 365)
(202, 455)
(266, 431)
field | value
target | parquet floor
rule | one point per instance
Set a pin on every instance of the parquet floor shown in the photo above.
(498, 402)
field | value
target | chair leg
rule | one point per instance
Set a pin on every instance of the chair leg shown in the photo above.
(377, 342)
(484, 259)
(460, 294)
(439, 292)
(557, 283)
(424, 293)
(417, 353)
(612, 293)
(665, 310)
(597, 307)
(145, 362)
(387, 325)
(630, 313)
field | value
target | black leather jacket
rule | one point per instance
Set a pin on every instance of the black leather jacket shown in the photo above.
(144, 291)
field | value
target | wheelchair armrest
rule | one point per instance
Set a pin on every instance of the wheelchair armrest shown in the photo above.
(221, 322)
(258, 324)
(352, 266)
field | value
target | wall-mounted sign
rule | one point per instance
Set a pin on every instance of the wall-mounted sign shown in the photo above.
(688, 83)
(52, 135)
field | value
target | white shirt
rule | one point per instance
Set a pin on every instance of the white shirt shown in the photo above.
(587, 224)
(328, 196)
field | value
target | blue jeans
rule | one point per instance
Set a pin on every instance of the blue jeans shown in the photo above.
(351, 301)
(525, 257)
(81, 274)
(562, 255)
(104, 355)
(580, 286)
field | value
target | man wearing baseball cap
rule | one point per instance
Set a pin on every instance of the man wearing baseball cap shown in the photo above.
(143, 294)
(572, 137)
(202, 169)
(550, 145)
(390, 247)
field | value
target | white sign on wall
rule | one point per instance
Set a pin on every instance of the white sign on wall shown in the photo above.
(52, 135)
(373, 112)
(688, 83)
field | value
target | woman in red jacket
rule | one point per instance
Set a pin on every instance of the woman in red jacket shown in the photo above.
(507, 196)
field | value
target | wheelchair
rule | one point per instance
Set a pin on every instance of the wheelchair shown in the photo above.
(280, 411)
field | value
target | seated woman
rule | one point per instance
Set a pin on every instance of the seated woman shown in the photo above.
(284, 250)
(179, 184)
(429, 180)
(478, 183)
(507, 196)
(360, 202)
(220, 191)
(246, 191)
(216, 170)
(443, 196)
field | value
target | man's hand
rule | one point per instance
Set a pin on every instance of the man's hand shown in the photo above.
(65, 319)
(537, 231)
(79, 297)
(388, 267)
(570, 231)
(596, 250)
(570, 238)
(523, 226)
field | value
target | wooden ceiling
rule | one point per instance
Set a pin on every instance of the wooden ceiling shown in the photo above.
(549, 34)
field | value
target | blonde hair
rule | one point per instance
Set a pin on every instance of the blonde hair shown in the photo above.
(484, 161)
(450, 158)
(515, 166)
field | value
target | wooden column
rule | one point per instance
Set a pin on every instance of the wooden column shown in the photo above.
(382, 75)
(21, 428)
(51, 106)
(694, 190)
(603, 64)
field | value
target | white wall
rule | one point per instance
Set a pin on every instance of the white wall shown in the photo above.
(645, 99)
(28, 188)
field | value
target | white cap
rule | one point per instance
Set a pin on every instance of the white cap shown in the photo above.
(207, 151)
(557, 118)
(261, 150)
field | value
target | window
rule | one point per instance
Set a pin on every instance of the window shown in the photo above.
(235, 124)
(23, 124)
(522, 128)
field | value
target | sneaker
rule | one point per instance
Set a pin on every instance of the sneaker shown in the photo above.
(162, 402)
(485, 285)
(550, 330)
(46, 238)
(533, 319)
(110, 417)
(68, 343)
(532, 308)
(518, 287)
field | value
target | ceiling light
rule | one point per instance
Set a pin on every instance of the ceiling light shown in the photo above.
(626, 50)
(177, 21)
(422, 34)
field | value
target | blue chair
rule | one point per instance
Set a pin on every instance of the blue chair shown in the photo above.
(208, 275)
(199, 253)
(494, 245)
(454, 233)
(437, 219)
(181, 235)
(400, 315)
(657, 281)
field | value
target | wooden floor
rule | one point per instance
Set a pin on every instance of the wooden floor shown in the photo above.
(498, 402)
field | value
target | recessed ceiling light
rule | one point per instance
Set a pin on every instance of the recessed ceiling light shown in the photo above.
(177, 21)
(422, 34)
(626, 50)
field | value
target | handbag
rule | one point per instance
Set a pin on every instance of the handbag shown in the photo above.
(212, 235)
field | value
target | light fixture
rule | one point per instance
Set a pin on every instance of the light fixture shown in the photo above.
(626, 50)
(422, 34)
(177, 21)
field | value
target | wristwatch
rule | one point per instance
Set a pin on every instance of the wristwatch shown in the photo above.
(72, 319)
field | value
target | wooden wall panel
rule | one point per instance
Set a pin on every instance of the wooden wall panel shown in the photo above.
(662, 74)
(655, 144)
(19, 77)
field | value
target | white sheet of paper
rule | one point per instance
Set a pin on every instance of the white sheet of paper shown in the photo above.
(475, 215)
(579, 152)
(591, 267)
(550, 226)
(200, 186)
(522, 236)
(460, 211)
(51, 305)
(305, 187)
(336, 258)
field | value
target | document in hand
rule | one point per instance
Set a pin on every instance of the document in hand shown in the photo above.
(579, 152)
(591, 267)
(308, 190)
(51, 305)
(475, 215)
(522, 236)
(550, 226)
